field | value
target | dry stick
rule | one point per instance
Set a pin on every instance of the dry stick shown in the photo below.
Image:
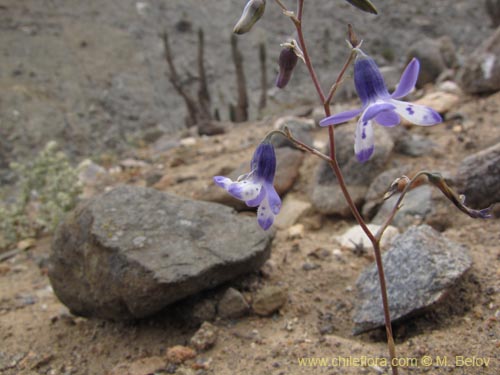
(241, 110)
(203, 94)
(340, 178)
(263, 76)
(176, 82)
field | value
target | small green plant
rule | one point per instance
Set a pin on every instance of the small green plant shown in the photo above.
(48, 187)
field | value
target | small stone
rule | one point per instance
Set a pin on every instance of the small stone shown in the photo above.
(26, 244)
(232, 304)
(296, 232)
(355, 237)
(440, 101)
(142, 366)
(420, 268)
(292, 210)
(205, 337)
(307, 266)
(269, 299)
(179, 354)
(187, 142)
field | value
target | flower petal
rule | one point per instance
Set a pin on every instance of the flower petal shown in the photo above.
(376, 108)
(364, 140)
(265, 216)
(273, 198)
(408, 79)
(257, 200)
(368, 80)
(223, 182)
(417, 114)
(388, 118)
(339, 118)
(245, 189)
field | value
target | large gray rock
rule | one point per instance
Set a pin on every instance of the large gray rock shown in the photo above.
(420, 268)
(481, 72)
(478, 177)
(132, 251)
(327, 196)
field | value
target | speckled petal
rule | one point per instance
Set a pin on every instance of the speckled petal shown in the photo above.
(265, 216)
(417, 114)
(408, 80)
(364, 140)
(339, 118)
(245, 190)
(273, 198)
(257, 200)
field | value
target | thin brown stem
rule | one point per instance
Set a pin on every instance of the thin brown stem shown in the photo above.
(338, 173)
(338, 81)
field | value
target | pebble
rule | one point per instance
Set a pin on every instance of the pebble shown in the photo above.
(232, 304)
(205, 337)
(269, 299)
(296, 232)
(179, 354)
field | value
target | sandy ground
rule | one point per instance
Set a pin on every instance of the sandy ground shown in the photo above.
(461, 335)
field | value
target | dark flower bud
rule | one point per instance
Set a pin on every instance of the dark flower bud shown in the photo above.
(287, 62)
(254, 9)
(364, 5)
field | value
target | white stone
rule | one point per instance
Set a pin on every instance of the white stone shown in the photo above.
(355, 236)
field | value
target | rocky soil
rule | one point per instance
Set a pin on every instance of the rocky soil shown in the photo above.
(90, 74)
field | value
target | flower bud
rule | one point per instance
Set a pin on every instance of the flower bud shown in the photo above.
(287, 62)
(364, 5)
(254, 9)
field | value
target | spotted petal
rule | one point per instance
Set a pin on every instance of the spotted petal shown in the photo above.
(408, 80)
(265, 216)
(273, 198)
(245, 189)
(339, 118)
(417, 114)
(364, 140)
(258, 199)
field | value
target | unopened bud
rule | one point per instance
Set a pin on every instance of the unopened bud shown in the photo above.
(364, 5)
(352, 37)
(254, 9)
(287, 62)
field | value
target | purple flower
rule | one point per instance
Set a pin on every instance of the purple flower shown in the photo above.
(256, 187)
(380, 106)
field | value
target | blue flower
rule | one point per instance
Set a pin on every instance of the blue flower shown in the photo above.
(256, 187)
(380, 106)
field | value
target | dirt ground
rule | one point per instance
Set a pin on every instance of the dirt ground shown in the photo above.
(461, 334)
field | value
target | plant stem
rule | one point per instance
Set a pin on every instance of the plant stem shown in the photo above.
(338, 173)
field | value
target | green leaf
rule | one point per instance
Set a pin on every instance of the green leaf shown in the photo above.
(364, 5)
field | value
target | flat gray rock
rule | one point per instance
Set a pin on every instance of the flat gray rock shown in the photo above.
(132, 251)
(421, 266)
